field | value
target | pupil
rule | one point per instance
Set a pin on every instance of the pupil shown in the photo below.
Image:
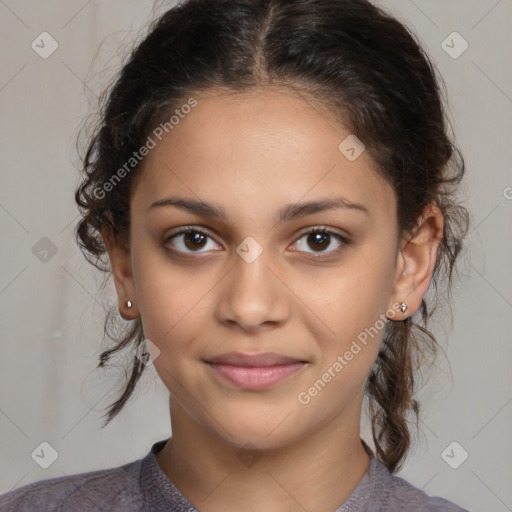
(318, 237)
(197, 239)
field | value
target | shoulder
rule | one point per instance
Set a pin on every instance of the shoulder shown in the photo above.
(394, 493)
(112, 490)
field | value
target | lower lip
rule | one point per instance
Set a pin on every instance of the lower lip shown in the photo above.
(255, 377)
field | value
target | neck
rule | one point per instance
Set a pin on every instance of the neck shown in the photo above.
(317, 473)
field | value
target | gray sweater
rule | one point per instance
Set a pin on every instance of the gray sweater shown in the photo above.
(141, 486)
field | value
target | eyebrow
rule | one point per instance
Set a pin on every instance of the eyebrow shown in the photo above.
(288, 212)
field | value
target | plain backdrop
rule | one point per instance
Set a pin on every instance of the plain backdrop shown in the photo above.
(52, 310)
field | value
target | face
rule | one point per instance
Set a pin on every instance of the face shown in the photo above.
(256, 279)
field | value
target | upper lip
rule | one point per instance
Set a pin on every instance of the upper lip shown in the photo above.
(259, 359)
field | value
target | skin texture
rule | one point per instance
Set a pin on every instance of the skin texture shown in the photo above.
(252, 154)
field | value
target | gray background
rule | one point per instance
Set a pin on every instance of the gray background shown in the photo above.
(52, 312)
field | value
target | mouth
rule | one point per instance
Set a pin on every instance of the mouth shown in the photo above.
(254, 371)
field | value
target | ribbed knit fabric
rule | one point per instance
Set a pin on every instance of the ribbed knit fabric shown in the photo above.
(141, 486)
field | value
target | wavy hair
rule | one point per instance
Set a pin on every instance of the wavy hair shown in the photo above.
(349, 56)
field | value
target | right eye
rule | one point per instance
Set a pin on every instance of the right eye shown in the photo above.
(188, 240)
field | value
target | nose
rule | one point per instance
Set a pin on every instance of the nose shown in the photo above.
(253, 295)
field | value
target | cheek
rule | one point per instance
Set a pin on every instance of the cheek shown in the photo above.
(168, 297)
(345, 301)
(349, 320)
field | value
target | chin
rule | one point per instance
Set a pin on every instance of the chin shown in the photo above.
(267, 433)
(258, 441)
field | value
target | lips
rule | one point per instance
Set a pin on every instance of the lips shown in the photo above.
(254, 371)
(253, 360)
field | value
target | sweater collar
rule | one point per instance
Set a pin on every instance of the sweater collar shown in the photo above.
(160, 493)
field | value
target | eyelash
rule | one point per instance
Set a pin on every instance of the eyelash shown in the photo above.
(317, 229)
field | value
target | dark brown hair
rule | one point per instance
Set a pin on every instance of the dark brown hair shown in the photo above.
(346, 55)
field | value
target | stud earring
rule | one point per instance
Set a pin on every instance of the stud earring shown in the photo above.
(128, 303)
(403, 307)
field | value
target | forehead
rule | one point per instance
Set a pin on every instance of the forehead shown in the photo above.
(254, 152)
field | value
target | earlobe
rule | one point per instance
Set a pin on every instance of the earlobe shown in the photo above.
(417, 259)
(120, 264)
(129, 311)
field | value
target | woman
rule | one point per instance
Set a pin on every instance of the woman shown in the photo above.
(273, 184)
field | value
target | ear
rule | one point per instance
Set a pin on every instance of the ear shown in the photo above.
(120, 263)
(416, 260)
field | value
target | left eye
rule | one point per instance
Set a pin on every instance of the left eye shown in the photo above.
(191, 239)
(321, 238)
